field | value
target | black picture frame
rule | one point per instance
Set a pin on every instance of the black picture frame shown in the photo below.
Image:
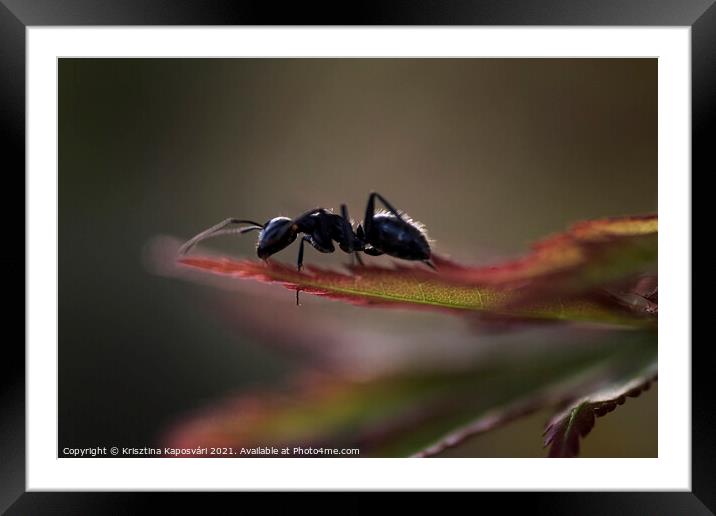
(17, 15)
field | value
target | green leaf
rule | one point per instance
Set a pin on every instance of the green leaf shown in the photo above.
(590, 255)
(564, 432)
(400, 414)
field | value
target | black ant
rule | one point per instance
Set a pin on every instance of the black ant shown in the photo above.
(387, 232)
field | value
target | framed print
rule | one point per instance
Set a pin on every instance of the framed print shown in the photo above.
(228, 289)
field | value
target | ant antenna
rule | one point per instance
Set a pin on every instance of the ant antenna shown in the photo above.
(219, 229)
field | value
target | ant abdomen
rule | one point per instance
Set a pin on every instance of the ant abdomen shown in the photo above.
(398, 237)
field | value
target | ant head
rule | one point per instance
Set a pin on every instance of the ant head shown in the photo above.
(276, 235)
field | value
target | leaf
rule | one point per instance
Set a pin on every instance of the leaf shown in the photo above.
(586, 274)
(590, 254)
(564, 431)
(487, 422)
(400, 414)
(641, 296)
(557, 281)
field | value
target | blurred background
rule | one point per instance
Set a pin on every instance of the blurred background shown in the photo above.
(490, 154)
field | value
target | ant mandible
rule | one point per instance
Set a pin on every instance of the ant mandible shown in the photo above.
(387, 232)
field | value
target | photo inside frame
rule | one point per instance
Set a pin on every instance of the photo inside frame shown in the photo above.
(517, 318)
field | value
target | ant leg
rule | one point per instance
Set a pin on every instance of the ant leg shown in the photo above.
(218, 229)
(349, 237)
(369, 212)
(299, 264)
(347, 230)
(386, 204)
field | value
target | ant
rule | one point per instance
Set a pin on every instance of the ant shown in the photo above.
(387, 232)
